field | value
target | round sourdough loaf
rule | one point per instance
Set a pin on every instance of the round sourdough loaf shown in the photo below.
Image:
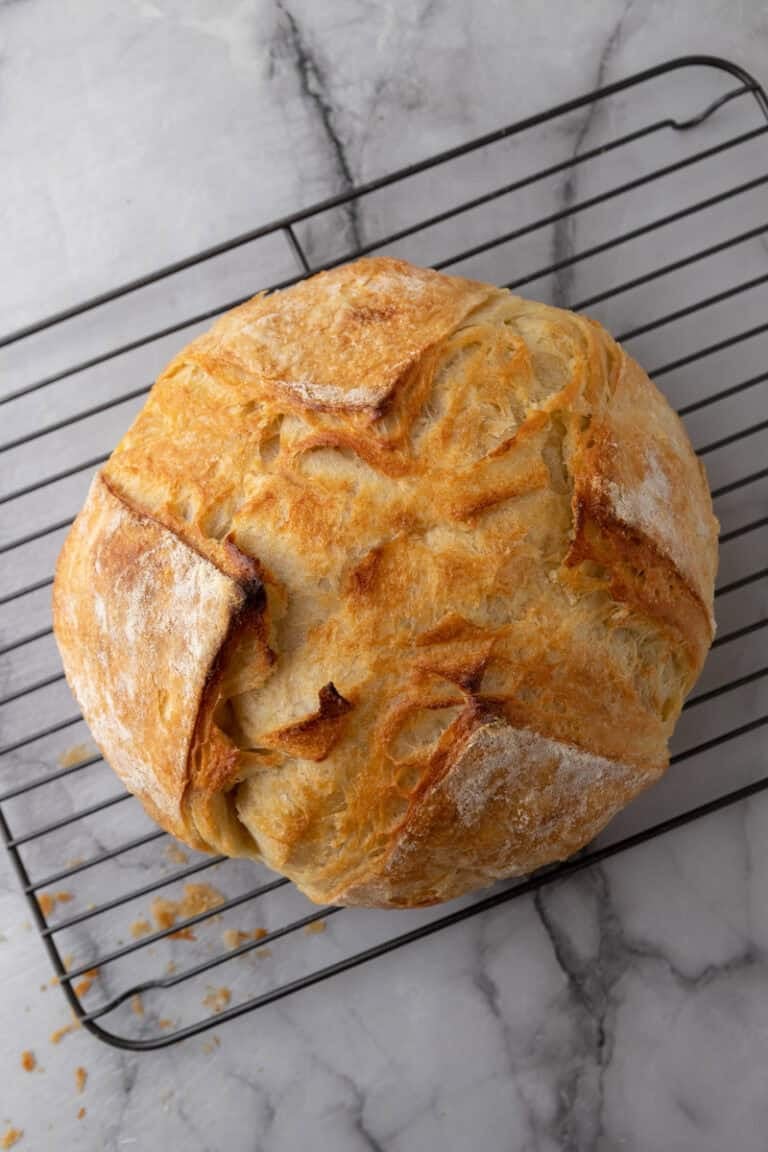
(398, 582)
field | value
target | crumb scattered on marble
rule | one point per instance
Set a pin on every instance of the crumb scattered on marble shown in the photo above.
(171, 967)
(211, 1045)
(49, 900)
(200, 898)
(165, 1023)
(57, 1036)
(315, 928)
(73, 755)
(182, 934)
(217, 999)
(140, 928)
(137, 1004)
(83, 985)
(10, 1137)
(175, 853)
(28, 1061)
(163, 912)
(80, 1113)
(197, 898)
(74, 861)
(69, 960)
(234, 937)
(81, 1076)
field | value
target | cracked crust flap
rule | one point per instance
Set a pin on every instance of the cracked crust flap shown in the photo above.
(500, 801)
(377, 318)
(140, 619)
(642, 506)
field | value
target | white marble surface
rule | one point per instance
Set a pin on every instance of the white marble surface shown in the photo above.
(626, 1008)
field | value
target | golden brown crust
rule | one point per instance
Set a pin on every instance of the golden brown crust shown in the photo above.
(377, 317)
(418, 575)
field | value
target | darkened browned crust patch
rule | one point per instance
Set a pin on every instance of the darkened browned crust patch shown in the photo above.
(313, 737)
(641, 575)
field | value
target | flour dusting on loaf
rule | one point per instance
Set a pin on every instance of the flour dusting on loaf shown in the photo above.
(508, 753)
(139, 645)
(398, 582)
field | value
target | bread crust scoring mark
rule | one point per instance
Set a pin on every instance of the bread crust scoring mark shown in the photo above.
(397, 581)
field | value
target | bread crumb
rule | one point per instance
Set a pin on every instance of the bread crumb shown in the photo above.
(165, 1023)
(53, 982)
(137, 1004)
(68, 961)
(73, 755)
(264, 953)
(28, 1061)
(57, 1036)
(211, 1045)
(10, 1137)
(217, 999)
(182, 934)
(140, 928)
(81, 1077)
(74, 861)
(83, 985)
(163, 912)
(171, 967)
(80, 1113)
(175, 853)
(197, 898)
(315, 928)
(48, 900)
(234, 937)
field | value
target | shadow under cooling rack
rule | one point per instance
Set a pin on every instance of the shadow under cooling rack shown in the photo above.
(645, 203)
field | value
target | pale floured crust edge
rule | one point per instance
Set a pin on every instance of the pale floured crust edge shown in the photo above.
(140, 619)
(492, 778)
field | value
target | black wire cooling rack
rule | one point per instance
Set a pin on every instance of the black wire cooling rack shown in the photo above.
(645, 203)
